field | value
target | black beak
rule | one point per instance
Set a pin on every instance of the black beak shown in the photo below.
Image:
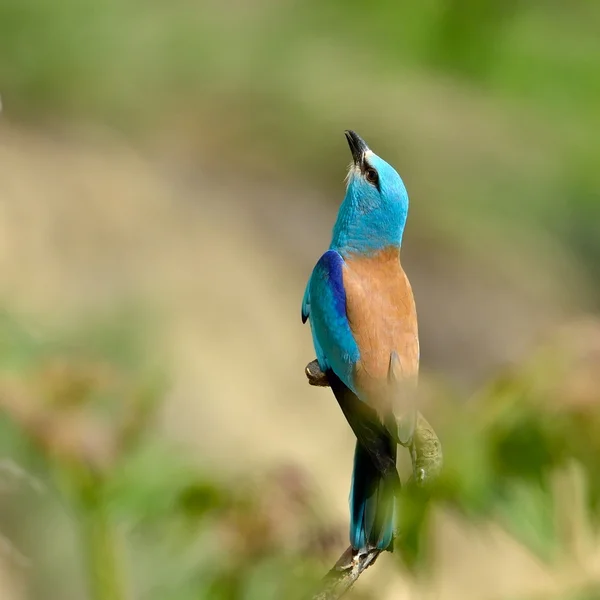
(357, 146)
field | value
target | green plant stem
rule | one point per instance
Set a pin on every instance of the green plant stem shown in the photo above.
(99, 544)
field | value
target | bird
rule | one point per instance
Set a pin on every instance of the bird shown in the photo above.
(364, 328)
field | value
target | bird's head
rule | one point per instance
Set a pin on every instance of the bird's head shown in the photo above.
(373, 213)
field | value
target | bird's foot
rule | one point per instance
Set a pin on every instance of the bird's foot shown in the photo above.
(368, 557)
(315, 376)
(351, 559)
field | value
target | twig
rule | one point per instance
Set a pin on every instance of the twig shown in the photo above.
(344, 573)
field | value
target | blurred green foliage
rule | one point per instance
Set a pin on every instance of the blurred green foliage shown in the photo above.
(189, 533)
(270, 77)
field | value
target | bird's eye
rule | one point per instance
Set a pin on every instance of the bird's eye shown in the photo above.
(371, 175)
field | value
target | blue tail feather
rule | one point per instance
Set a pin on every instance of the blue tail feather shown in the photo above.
(372, 502)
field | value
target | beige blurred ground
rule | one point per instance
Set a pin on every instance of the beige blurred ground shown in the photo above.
(86, 222)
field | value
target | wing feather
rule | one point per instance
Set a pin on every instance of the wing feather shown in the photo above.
(325, 303)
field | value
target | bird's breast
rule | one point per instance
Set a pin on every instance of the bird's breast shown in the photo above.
(382, 316)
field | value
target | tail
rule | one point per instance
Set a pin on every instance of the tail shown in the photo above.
(375, 480)
(372, 505)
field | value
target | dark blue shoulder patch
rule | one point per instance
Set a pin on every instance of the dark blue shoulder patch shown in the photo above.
(330, 267)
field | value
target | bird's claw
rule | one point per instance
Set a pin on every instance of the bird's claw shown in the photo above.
(315, 376)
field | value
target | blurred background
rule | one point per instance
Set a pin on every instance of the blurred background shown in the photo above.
(170, 173)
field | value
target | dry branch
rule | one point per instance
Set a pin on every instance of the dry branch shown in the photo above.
(344, 573)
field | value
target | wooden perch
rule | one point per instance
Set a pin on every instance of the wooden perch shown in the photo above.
(344, 573)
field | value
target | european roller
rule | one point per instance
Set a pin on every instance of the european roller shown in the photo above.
(364, 329)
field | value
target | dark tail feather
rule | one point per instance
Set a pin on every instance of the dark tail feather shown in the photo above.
(375, 480)
(372, 503)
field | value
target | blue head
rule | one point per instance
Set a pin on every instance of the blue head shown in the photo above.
(373, 213)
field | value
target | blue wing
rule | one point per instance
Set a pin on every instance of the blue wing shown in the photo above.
(325, 302)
